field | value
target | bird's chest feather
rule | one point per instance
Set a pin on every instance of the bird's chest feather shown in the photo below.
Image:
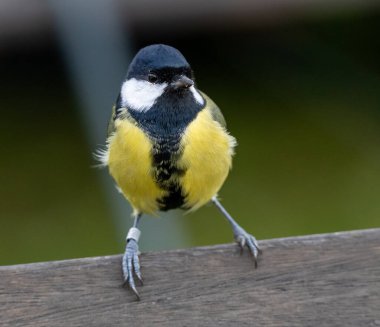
(206, 157)
(130, 164)
(183, 170)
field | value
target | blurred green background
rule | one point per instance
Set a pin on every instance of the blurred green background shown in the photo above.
(302, 97)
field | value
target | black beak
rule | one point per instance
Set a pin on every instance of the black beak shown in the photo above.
(182, 82)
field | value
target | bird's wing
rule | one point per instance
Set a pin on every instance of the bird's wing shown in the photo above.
(215, 111)
(111, 123)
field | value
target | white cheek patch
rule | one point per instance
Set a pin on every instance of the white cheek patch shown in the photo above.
(140, 95)
(197, 96)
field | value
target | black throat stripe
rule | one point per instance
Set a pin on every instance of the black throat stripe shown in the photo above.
(170, 114)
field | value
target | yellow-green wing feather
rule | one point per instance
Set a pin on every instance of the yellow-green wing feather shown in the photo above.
(215, 111)
(111, 123)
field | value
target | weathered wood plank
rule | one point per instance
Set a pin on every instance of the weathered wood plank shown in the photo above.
(320, 280)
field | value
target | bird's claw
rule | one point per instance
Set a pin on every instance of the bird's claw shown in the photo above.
(131, 264)
(244, 239)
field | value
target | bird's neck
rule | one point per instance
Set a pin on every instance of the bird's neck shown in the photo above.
(168, 117)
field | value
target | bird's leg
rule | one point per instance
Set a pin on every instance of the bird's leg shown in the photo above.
(240, 235)
(130, 261)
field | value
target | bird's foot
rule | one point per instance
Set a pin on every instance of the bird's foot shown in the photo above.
(244, 239)
(131, 265)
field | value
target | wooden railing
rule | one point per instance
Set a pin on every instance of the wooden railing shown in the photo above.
(318, 280)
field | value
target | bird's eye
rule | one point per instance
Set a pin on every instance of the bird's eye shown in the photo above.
(153, 78)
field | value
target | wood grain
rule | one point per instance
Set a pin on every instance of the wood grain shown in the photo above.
(319, 280)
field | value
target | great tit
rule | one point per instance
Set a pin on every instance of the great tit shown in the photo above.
(167, 146)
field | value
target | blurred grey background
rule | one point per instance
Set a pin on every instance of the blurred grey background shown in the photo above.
(298, 82)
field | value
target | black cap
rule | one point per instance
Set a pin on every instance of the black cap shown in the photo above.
(155, 57)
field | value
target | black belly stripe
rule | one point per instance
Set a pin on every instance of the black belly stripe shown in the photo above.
(166, 154)
(175, 199)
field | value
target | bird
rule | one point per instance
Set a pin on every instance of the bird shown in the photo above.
(167, 147)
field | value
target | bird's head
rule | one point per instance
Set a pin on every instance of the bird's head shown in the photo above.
(157, 70)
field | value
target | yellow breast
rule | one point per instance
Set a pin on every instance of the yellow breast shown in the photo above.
(207, 158)
(130, 164)
(206, 152)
